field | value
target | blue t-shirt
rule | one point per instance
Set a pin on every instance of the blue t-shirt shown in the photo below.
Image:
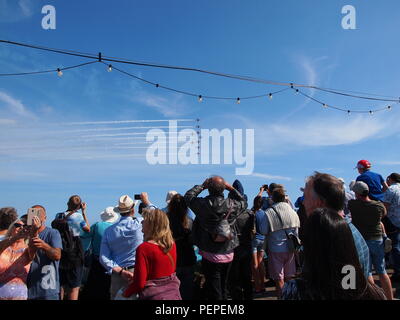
(75, 222)
(374, 182)
(259, 218)
(43, 279)
(96, 234)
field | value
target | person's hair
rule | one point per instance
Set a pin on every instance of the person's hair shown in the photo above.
(395, 177)
(158, 228)
(329, 189)
(216, 186)
(257, 203)
(177, 213)
(273, 186)
(38, 206)
(7, 216)
(328, 247)
(278, 195)
(11, 228)
(74, 203)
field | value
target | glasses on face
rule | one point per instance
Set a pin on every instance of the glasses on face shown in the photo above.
(18, 225)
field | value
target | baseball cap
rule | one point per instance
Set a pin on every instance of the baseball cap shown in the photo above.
(361, 188)
(363, 164)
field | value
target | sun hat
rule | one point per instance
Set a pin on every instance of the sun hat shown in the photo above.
(125, 204)
(109, 215)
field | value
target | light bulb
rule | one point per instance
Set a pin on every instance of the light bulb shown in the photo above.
(109, 68)
(238, 100)
(325, 105)
(270, 96)
(59, 72)
(389, 107)
(371, 112)
(200, 98)
(348, 112)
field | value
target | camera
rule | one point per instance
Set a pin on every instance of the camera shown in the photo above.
(265, 186)
(138, 197)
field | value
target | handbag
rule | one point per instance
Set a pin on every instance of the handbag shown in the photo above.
(294, 242)
(166, 288)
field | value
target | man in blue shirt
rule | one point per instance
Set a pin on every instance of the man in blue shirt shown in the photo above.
(119, 243)
(43, 278)
(377, 186)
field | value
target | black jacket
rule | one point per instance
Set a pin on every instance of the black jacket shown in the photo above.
(209, 212)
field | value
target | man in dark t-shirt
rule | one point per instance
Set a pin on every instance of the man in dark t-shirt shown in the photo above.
(366, 216)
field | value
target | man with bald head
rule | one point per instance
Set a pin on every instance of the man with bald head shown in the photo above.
(217, 253)
(43, 278)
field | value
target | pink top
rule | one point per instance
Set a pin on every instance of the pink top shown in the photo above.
(217, 258)
(14, 268)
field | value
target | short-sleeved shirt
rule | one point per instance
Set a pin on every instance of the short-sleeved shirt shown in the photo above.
(43, 278)
(96, 234)
(366, 217)
(374, 182)
(75, 222)
(392, 197)
(260, 214)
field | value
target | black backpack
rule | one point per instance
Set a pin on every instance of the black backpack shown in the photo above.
(72, 254)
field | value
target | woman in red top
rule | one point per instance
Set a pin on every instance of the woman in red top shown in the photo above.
(154, 275)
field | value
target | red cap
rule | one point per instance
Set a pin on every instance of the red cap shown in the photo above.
(363, 164)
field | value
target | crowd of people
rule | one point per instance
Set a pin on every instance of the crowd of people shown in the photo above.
(221, 246)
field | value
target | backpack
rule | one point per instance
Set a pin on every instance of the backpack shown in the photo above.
(72, 254)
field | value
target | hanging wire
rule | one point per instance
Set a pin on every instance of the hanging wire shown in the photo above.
(232, 76)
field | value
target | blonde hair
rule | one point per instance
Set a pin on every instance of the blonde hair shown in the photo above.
(158, 228)
(11, 229)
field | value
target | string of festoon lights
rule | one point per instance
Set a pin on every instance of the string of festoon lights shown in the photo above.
(296, 87)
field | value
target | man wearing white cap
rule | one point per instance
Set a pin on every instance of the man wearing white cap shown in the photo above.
(119, 243)
(98, 283)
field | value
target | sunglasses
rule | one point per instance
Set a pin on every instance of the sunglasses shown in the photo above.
(18, 225)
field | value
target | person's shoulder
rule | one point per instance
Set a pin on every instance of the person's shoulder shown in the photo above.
(53, 232)
(377, 204)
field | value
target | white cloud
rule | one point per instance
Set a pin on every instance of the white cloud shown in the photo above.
(7, 121)
(26, 7)
(169, 107)
(269, 176)
(313, 132)
(389, 163)
(15, 106)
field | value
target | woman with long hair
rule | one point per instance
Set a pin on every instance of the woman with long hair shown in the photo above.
(181, 227)
(154, 274)
(258, 247)
(330, 262)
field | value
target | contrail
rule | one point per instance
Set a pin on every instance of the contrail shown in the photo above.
(124, 128)
(124, 121)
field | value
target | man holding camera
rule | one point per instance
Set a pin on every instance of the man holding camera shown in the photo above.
(43, 278)
(210, 211)
(119, 243)
(70, 224)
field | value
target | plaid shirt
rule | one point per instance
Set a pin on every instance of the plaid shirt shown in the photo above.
(362, 248)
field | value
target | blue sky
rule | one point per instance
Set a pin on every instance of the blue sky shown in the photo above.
(43, 161)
